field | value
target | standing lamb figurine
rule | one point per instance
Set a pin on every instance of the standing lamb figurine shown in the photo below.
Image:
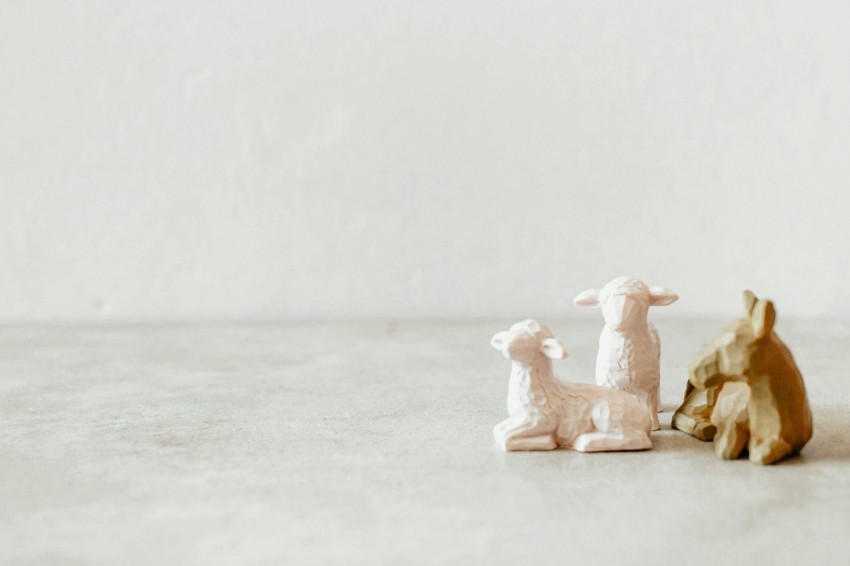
(546, 412)
(629, 356)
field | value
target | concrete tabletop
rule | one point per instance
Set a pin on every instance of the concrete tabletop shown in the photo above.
(371, 443)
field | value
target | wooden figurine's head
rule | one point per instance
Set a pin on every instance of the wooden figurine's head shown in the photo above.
(625, 301)
(737, 349)
(525, 341)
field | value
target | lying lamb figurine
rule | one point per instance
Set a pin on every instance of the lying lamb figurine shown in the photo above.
(546, 412)
(629, 355)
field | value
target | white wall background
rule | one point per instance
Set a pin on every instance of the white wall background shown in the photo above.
(316, 159)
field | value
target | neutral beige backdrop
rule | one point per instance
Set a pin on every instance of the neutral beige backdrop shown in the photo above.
(165, 160)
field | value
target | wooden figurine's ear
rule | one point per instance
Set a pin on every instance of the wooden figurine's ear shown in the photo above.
(588, 298)
(659, 296)
(764, 317)
(750, 300)
(500, 340)
(553, 349)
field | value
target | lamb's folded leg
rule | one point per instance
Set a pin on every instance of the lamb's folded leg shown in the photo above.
(525, 433)
(647, 398)
(602, 442)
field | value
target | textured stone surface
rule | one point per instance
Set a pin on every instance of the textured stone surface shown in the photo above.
(371, 443)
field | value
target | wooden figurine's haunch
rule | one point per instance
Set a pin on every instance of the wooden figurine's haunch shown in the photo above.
(546, 413)
(629, 356)
(745, 391)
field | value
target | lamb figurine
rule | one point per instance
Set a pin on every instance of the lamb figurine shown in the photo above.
(545, 412)
(629, 356)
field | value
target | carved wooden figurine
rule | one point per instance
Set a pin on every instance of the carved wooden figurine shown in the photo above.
(746, 392)
(546, 412)
(629, 356)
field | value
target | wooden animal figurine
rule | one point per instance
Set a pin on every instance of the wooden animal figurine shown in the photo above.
(629, 356)
(546, 413)
(745, 391)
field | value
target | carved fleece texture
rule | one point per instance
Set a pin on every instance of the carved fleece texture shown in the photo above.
(629, 356)
(545, 412)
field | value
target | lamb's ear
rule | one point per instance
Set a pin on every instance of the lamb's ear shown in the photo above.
(750, 301)
(764, 317)
(660, 296)
(588, 298)
(553, 349)
(499, 340)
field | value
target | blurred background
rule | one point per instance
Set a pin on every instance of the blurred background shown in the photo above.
(264, 160)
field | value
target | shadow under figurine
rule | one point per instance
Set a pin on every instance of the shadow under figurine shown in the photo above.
(745, 392)
(546, 413)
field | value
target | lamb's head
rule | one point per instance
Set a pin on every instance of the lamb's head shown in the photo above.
(625, 301)
(525, 341)
(731, 352)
